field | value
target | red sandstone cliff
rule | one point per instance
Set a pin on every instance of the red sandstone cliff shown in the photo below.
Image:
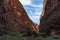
(50, 19)
(14, 17)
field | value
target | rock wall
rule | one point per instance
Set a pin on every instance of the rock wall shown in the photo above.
(14, 17)
(50, 17)
(3, 18)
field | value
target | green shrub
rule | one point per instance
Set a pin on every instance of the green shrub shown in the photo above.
(12, 36)
(39, 36)
(30, 32)
(42, 34)
(42, 38)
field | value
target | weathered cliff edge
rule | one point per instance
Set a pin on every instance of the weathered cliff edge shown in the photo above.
(50, 18)
(13, 17)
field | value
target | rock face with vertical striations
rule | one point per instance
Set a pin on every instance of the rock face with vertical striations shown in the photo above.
(50, 18)
(13, 17)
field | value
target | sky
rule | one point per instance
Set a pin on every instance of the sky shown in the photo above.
(33, 9)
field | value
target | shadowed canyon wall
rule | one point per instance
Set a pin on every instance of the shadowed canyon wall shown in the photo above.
(50, 17)
(13, 17)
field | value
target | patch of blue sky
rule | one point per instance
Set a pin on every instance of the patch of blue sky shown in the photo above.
(36, 2)
(32, 9)
(35, 19)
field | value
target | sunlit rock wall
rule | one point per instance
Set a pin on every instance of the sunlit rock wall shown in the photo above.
(14, 17)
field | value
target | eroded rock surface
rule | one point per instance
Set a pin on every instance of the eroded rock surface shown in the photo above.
(13, 17)
(50, 18)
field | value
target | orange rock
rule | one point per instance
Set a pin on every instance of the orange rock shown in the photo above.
(16, 16)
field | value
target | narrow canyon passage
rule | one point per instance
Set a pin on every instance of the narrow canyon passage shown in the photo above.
(33, 8)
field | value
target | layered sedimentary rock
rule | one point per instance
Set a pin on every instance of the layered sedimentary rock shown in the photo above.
(13, 17)
(50, 18)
